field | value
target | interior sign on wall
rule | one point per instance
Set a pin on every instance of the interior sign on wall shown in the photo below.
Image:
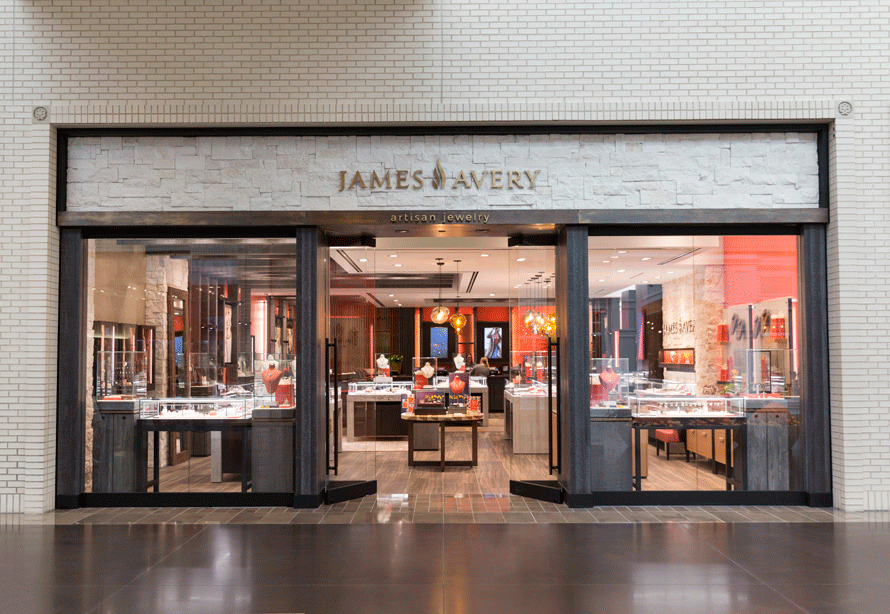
(679, 328)
(440, 180)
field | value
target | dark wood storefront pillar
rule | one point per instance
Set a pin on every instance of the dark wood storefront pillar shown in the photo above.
(310, 397)
(572, 316)
(71, 395)
(814, 382)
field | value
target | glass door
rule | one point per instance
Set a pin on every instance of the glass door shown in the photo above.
(532, 420)
(363, 407)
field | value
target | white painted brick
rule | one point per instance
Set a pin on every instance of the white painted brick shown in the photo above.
(221, 63)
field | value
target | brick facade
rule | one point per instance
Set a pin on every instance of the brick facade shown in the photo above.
(259, 62)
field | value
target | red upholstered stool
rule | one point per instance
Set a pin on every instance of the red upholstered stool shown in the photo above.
(667, 437)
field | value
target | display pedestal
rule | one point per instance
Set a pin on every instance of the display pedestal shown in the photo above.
(114, 446)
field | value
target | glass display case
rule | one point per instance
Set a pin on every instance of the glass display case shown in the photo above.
(528, 367)
(423, 371)
(609, 381)
(475, 381)
(205, 408)
(380, 388)
(687, 407)
(120, 373)
(273, 381)
(384, 368)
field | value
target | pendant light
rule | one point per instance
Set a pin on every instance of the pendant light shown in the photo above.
(440, 313)
(458, 320)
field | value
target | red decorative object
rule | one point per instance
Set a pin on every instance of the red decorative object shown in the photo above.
(271, 377)
(777, 328)
(598, 393)
(722, 333)
(420, 380)
(284, 395)
(609, 379)
(457, 385)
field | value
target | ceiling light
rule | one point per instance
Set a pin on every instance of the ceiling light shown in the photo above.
(401, 231)
(623, 252)
(670, 272)
(607, 262)
(657, 277)
(646, 258)
(621, 270)
(483, 255)
(491, 295)
(395, 300)
(393, 255)
(391, 295)
(520, 260)
(397, 265)
(362, 259)
(602, 280)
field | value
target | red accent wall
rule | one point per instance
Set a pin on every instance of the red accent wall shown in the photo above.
(758, 269)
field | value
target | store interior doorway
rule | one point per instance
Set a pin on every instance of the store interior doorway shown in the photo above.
(455, 329)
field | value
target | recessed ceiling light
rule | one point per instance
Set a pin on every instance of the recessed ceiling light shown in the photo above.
(670, 272)
(397, 265)
(657, 277)
(393, 255)
(646, 258)
(602, 280)
(623, 252)
(362, 259)
(621, 270)
(607, 262)
(483, 255)
(491, 295)
(520, 260)
(391, 295)
(401, 231)
(395, 300)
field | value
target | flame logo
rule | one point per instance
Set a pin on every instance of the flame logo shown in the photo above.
(439, 176)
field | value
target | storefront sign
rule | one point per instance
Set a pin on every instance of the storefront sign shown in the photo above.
(416, 180)
(679, 328)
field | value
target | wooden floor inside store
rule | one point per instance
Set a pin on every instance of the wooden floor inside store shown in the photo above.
(387, 462)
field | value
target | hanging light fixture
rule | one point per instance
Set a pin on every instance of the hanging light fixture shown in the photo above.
(440, 313)
(549, 326)
(458, 320)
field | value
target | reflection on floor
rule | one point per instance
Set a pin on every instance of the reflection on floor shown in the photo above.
(447, 509)
(386, 462)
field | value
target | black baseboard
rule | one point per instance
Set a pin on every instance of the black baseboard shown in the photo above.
(67, 502)
(307, 502)
(698, 497)
(346, 490)
(186, 499)
(542, 490)
(821, 499)
(579, 499)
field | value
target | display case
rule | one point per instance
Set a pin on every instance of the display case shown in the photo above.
(273, 381)
(120, 373)
(383, 367)
(687, 407)
(423, 371)
(527, 367)
(609, 381)
(380, 388)
(196, 408)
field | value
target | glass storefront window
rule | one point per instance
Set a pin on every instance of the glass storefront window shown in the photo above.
(190, 365)
(705, 332)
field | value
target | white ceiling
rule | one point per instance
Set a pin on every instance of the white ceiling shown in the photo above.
(615, 263)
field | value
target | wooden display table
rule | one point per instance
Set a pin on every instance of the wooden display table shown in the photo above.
(444, 420)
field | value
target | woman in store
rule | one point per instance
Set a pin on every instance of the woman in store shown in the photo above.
(482, 369)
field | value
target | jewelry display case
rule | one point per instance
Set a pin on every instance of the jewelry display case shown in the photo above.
(196, 408)
(687, 407)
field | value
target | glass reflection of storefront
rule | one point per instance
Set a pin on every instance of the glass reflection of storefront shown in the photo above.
(695, 362)
(191, 357)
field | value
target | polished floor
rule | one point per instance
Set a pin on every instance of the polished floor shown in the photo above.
(642, 560)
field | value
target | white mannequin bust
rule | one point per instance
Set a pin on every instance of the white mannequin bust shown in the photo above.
(382, 362)
(427, 371)
(459, 362)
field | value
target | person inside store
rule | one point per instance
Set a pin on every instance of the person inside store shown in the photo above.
(482, 369)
